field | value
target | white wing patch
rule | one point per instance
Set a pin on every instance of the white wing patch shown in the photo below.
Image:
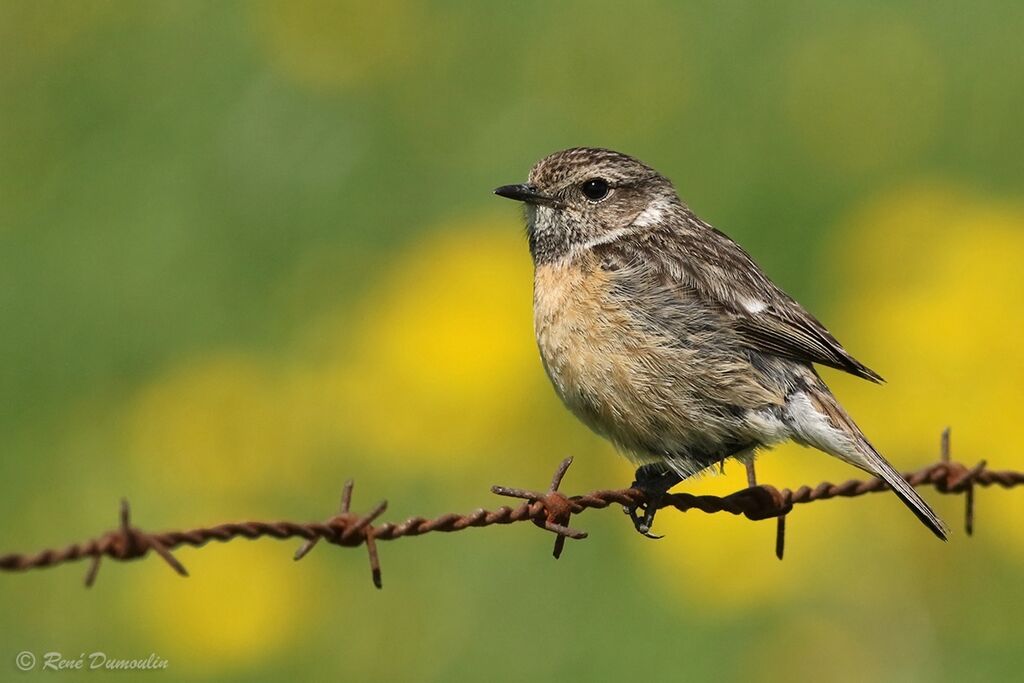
(754, 306)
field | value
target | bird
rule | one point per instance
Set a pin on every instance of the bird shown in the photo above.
(663, 335)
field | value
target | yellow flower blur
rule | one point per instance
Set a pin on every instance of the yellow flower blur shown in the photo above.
(243, 604)
(436, 361)
(443, 357)
(936, 309)
(223, 430)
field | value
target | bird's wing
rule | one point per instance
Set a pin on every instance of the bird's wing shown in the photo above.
(709, 264)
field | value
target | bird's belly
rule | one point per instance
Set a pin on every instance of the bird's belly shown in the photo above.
(623, 382)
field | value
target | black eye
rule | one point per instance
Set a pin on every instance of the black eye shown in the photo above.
(595, 188)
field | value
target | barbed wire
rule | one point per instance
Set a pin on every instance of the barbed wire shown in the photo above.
(551, 510)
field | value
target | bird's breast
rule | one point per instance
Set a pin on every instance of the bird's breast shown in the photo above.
(589, 345)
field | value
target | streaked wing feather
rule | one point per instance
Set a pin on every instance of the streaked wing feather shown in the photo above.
(707, 263)
(800, 337)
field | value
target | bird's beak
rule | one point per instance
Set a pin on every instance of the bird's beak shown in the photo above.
(524, 193)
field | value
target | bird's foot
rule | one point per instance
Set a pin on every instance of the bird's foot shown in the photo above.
(655, 481)
(642, 522)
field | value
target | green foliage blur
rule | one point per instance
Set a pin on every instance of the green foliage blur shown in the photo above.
(249, 250)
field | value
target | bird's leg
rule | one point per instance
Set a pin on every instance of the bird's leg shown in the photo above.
(654, 479)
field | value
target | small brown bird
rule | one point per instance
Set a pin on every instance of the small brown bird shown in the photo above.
(662, 334)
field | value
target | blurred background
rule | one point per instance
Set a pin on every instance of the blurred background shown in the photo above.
(249, 250)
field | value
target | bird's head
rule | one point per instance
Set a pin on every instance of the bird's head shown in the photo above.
(581, 197)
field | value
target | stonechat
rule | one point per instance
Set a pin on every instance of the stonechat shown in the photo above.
(663, 335)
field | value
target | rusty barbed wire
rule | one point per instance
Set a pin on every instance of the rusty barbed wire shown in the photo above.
(550, 510)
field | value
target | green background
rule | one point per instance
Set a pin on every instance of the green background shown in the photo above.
(249, 250)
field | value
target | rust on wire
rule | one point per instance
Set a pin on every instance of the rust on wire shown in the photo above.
(555, 508)
(352, 530)
(551, 510)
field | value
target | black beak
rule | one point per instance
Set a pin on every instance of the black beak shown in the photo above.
(523, 193)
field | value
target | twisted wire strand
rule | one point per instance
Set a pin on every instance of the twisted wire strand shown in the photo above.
(550, 510)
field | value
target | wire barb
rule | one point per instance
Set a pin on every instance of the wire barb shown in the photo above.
(780, 521)
(126, 543)
(780, 536)
(551, 510)
(557, 507)
(349, 529)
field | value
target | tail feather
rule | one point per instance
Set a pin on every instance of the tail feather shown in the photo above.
(818, 420)
(881, 467)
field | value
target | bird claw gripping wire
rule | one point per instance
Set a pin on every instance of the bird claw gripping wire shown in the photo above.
(550, 510)
(350, 529)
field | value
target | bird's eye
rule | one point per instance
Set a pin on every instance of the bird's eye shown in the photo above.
(595, 189)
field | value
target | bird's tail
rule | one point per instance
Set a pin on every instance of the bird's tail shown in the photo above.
(818, 420)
